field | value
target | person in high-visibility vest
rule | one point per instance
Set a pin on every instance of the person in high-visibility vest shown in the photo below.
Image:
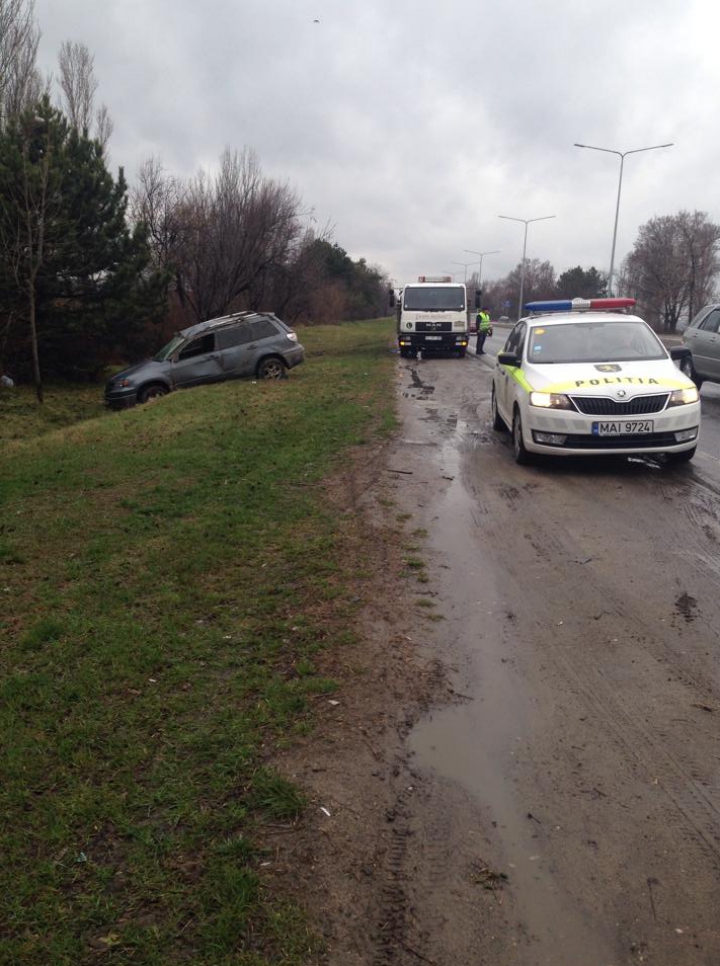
(484, 329)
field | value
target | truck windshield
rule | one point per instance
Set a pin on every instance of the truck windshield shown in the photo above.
(428, 298)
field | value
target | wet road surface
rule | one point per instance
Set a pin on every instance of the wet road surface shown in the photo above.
(570, 813)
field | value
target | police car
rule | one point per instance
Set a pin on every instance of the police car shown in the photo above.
(582, 377)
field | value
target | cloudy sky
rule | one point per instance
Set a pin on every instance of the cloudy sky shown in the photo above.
(409, 126)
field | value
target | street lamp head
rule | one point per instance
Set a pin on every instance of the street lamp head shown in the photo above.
(527, 221)
(622, 155)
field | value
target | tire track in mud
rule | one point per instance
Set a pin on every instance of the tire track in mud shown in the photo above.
(700, 812)
(695, 814)
(394, 901)
(611, 702)
(533, 529)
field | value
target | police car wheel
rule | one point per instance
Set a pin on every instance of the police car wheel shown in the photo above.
(522, 457)
(684, 457)
(497, 420)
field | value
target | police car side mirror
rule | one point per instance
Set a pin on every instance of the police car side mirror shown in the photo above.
(679, 352)
(507, 359)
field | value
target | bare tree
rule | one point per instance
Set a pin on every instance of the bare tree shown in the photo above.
(701, 240)
(238, 229)
(78, 84)
(156, 201)
(673, 265)
(20, 81)
(103, 126)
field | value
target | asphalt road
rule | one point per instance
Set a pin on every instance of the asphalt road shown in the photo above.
(569, 812)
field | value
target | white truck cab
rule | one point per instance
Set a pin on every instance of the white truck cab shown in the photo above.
(432, 316)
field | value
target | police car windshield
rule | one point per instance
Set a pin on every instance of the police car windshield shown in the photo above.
(429, 298)
(613, 340)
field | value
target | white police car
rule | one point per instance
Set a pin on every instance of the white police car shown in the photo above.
(581, 377)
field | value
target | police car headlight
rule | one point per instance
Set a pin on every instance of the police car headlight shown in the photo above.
(550, 400)
(683, 397)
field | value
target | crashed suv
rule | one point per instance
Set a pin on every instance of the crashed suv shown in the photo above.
(255, 344)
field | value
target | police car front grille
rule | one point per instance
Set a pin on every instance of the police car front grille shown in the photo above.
(604, 406)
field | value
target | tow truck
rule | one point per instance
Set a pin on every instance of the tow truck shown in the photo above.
(432, 316)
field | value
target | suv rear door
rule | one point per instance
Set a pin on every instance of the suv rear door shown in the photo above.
(703, 339)
(235, 358)
(264, 340)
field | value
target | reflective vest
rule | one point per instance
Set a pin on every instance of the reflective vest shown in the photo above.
(483, 322)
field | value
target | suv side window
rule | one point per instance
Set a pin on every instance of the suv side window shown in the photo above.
(198, 347)
(698, 318)
(234, 335)
(261, 329)
(712, 322)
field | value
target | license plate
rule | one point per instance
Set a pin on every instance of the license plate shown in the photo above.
(625, 427)
(437, 338)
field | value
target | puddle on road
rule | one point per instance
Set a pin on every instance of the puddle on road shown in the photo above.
(476, 744)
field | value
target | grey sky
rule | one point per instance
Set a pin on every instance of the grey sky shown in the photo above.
(410, 125)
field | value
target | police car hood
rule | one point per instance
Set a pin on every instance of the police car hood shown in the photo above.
(616, 379)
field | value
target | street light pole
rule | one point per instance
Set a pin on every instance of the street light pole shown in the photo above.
(471, 252)
(465, 266)
(526, 222)
(622, 155)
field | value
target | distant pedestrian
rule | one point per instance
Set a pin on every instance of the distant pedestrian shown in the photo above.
(484, 329)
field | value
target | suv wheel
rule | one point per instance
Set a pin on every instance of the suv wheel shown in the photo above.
(154, 391)
(688, 369)
(272, 368)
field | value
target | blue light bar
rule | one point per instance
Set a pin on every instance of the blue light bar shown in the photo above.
(559, 305)
(580, 305)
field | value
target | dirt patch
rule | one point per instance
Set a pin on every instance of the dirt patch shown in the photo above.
(686, 606)
(344, 860)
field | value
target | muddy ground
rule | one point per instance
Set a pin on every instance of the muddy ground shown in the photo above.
(527, 771)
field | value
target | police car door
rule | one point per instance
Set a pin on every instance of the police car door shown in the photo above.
(516, 345)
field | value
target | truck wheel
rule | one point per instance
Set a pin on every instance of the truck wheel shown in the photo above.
(461, 353)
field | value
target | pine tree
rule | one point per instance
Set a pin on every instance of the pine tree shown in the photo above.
(75, 281)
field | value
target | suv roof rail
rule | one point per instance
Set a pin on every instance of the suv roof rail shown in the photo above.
(228, 319)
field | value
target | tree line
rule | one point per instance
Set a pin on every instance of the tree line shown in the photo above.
(672, 272)
(93, 271)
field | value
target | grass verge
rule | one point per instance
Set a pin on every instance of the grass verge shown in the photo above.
(168, 576)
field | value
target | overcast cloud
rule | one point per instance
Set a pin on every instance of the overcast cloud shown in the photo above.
(410, 126)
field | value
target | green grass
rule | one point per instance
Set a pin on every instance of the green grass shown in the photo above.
(169, 577)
